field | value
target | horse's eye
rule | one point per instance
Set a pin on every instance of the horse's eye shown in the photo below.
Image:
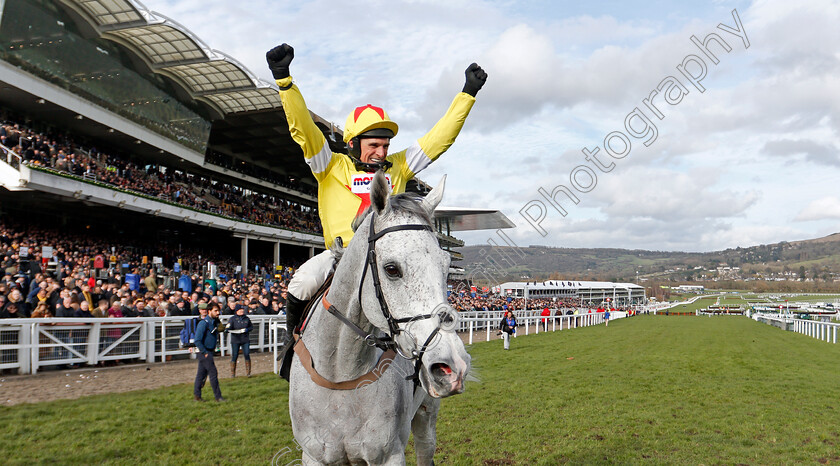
(393, 271)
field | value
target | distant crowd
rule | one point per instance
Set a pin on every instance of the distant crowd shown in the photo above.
(31, 287)
(59, 152)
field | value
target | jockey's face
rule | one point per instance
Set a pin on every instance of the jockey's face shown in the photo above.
(373, 150)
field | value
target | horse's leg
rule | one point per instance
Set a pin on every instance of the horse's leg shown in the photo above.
(423, 426)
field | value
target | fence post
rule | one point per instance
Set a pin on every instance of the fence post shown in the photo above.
(24, 352)
(150, 341)
(33, 350)
(222, 344)
(93, 344)
(526, 326)
(163, 341)
(261, 339)
(471, 331)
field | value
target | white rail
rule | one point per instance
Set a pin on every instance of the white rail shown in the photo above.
(529, 320)
(821, 330)
(30, 344)
(473, 322)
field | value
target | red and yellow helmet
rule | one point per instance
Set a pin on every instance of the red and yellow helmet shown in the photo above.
(369, 121)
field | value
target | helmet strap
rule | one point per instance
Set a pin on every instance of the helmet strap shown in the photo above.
(354, 149)
(371, 167)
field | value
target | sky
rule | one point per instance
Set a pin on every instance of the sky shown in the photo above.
(692, 155)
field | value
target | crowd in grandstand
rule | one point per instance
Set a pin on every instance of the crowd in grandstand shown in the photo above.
(62, 154)
(226, 161)
(467, 302)
(68, 284)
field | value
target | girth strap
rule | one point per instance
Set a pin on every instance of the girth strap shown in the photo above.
(385, 361)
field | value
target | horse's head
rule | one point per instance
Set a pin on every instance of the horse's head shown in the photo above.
(405, 259)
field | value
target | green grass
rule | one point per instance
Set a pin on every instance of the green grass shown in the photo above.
(701, 303)
(650, 389)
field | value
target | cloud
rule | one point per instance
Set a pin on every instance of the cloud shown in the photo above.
(820, 209)
(721, 173)
(824, 154)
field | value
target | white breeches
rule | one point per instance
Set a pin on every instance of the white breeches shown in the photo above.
(311, 275)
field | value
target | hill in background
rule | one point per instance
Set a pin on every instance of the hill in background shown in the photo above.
(809, 260)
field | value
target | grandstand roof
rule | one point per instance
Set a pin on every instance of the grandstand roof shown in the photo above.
(467, 219)
(253, 125)
(170, 49)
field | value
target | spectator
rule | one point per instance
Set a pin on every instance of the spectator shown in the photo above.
(508, 327)
(10, 312)
(254, 307)
(150, 282)
(16, 298)
(84, 310)
(239, 327)
(205, 342)
(65, 309)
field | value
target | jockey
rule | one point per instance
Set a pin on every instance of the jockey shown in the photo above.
(344, 180)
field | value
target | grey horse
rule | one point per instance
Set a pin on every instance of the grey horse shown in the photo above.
(380, 349)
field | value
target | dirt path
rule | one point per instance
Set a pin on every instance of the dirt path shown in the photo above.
(75, 383)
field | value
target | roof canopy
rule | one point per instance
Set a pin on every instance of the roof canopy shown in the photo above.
(172, 50)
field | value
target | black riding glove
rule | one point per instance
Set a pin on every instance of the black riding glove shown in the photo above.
(279, 59)
(475, 79)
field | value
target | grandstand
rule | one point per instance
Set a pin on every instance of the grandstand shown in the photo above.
(120, 83)
(587, 292)
(121, 121)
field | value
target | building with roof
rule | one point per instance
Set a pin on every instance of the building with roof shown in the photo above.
(620, 294)
(123, 77)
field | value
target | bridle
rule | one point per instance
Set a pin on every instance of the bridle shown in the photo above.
(387, 342)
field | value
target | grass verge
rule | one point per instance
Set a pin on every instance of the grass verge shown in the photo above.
(649, 389)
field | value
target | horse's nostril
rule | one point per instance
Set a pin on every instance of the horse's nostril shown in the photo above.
(441, 370)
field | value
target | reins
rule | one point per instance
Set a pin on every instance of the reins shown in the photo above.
(386, 343)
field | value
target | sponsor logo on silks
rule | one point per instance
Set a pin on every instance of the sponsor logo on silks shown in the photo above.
(360, 184)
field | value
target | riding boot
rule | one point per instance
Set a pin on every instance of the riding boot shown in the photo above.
(248, 368)
(233, 369)
(294, 311)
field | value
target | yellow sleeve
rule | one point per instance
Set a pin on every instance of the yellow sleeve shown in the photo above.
(305, 133)
(434, 143)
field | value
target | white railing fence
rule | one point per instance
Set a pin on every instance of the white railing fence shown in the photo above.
(30, 344)
(821, 330)
(530, 321)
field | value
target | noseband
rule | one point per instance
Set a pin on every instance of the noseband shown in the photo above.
(387, 342)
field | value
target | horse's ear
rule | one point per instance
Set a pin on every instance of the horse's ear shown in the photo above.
(380, 189)
(431, 201)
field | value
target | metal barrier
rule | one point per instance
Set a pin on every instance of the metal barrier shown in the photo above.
(474, 321)
(533, 319)
(30, 344)
(825, 331)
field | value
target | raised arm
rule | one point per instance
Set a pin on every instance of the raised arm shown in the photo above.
(305, 133)
(429, 147)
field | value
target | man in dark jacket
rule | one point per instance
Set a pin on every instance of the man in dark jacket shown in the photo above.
(239, 327)
(206, 335)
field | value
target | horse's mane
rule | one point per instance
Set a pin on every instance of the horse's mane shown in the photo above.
(404, 202)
